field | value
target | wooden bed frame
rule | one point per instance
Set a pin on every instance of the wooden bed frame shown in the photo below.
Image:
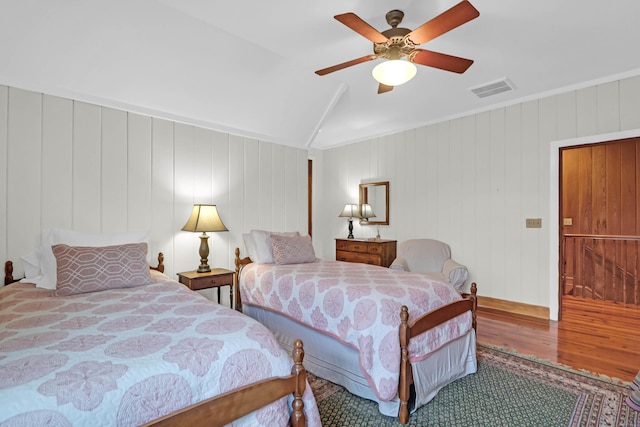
(232, 405)
(406, 331)
(225, 408)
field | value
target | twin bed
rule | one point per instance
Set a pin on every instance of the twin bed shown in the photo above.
(135, 352)
(145, 350)
(389, 336)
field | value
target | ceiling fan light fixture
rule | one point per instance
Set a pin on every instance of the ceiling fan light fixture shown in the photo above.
(394, 72)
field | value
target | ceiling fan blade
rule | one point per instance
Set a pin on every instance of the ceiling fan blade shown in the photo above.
(442, 61)
(459, 14)
(384, 88)
(354, 22)
(345, 65)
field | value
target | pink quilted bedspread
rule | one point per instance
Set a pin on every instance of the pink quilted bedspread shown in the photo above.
(124, 357)
(358, 304)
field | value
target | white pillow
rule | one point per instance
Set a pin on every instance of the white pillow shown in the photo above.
(249, 246)
(57, 236)
(32, 263)
(263, 245)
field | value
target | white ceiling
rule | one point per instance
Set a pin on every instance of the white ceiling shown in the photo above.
(247, 67)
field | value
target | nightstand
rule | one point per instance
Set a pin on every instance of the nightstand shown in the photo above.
(216, 278)
(374, 252)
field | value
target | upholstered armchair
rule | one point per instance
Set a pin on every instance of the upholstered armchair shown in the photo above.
(430, 256)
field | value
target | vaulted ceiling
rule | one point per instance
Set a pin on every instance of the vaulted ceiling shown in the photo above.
(247, 67)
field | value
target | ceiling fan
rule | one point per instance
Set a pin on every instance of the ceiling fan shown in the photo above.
(397, 43)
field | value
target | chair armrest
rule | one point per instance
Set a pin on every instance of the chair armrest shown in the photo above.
(399, 264)
(456, 273)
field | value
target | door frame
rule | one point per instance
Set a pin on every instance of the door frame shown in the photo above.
(554, 207)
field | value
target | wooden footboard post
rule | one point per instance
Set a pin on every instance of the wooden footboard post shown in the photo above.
(160, 267)
(297, 416)
(406, 376)
(8, 272)
(236, 281)
(240, 262)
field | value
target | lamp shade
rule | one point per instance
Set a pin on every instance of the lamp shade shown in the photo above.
(350, 211)
(394, 72)
(204, 218)
(367, 211)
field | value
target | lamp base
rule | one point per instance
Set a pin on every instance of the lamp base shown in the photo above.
(204, 268)
(204, 254)
(350, 236)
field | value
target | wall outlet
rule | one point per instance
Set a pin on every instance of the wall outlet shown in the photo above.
(567, 221)
(534, 223)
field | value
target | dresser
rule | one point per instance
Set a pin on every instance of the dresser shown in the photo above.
(381, 252)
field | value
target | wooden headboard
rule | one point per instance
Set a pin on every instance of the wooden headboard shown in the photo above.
(8, 269)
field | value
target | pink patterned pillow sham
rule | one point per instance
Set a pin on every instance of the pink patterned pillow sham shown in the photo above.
(292, 249)
(82, 269)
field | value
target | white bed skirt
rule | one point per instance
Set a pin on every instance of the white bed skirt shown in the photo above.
(330, 359)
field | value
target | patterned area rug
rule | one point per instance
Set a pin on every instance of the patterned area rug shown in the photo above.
(508, 390)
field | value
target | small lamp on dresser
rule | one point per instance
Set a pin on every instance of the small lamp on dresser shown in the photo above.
(350, 211)
(204, 218)
(367, 212)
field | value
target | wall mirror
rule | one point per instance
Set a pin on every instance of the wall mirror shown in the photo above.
(376, 194)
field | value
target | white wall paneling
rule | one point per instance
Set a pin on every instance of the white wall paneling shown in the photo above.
(472, 182)
(4, 169)
(81, 166)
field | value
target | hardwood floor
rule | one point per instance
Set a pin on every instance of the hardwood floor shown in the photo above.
(598, 337)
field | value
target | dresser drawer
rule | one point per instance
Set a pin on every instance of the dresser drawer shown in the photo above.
(342, 245)
(358, 257)
(212, 282)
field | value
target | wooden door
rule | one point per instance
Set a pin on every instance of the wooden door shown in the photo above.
(600, 221)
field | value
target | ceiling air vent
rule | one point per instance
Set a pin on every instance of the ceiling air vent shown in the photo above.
(493, 88)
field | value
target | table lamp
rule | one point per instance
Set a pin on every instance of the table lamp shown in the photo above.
(204, 218)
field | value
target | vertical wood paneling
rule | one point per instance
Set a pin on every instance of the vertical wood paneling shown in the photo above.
(252, 210)
(586, 189)
(202, 164)
(301, 190)
(185, 196)
(87, 203)
(162, 193)
(265, 185)
(290, 193)
(114, 171)
(442, 197)
(548, 124)
(221, 251)
(467, 128)
(277, 185)
(599, 189)
(431, 226)
(530, 199)
(97, 169)
(57, 149)
(628, 192)
(612, 188)
(483, 171)
(4, 156)
(608, 107)
(630, 103)
(587, 111)
(24, 172)
(513, 196)
(567, 115)
(139, 172)
(236, 208)
(497, 202)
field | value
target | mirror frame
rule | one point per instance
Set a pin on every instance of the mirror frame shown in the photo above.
(364, 197)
